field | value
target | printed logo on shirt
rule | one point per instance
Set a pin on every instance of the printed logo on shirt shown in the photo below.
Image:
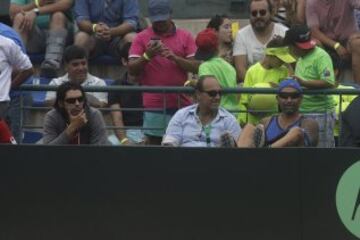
(326, 73)
(348, 199)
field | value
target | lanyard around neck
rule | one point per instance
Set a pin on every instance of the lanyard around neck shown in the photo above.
(207, 131)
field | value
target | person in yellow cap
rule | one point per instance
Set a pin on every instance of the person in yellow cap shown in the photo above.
(266, 73)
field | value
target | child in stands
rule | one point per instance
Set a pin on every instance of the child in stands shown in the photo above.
(270, 70)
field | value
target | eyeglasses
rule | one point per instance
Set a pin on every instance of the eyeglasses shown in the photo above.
(73, 100)
(255, 13)
(289, 95)
(213, 93)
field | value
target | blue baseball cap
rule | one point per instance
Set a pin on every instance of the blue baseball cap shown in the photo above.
(159, 10)
(290, 82)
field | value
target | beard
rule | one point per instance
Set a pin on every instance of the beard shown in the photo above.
(260, 25)
(289, 109)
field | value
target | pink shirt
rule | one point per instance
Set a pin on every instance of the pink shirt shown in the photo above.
(335, 18)
(161, 71)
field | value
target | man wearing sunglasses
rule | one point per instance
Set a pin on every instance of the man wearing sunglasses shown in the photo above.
(72, 121)
(251, 40)
(204, 124)
(288, 129)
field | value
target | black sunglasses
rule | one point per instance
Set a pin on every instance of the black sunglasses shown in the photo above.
(73, 100)
(262, 12)
(213, 93)
(289, 95)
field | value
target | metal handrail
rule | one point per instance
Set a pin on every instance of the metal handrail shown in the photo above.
(162, 89)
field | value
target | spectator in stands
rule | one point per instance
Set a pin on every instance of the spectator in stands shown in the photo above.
(357, 16)
(314, 70)
(118, 100)
(222, 25)
(341, 104)
(251, 40)
(266, 73)
(76, 66)
(350, 127)
(162, 55)
(288, 129)
(289, 12)
(203, 124)
(334, 25)
(208, 43)
(43, 26)
(14, 112)
(5, 134)
(72, 121)
(105, 26)
(12, 59)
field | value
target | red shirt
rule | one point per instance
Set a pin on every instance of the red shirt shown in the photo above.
(5, 134)
(161, 71)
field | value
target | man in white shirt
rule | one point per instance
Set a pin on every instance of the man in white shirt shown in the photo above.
(251, 40)
(11, 58)
(76, 66)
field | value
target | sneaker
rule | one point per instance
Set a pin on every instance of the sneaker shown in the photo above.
(48, 69)
(259, 136)
(226, 140)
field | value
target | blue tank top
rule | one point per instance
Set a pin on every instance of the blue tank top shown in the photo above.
(274, 131)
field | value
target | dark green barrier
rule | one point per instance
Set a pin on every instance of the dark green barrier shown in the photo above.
(165, 193)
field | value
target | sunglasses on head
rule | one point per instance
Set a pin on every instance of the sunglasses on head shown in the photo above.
(213, 93)
(73, 100)
(261, 12)
(289, 95)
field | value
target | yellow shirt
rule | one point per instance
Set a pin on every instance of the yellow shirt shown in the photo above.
(258, 74)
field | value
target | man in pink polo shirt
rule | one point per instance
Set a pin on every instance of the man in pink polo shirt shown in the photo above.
(162, 55)
(333, 24)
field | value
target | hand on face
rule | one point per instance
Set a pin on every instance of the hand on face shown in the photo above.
(77, 118)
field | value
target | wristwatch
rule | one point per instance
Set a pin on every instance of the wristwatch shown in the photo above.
(36, 11)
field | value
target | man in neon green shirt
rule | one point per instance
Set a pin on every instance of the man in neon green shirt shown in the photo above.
(266, 73)
(42, 25)
(225, 73)
(314, 70)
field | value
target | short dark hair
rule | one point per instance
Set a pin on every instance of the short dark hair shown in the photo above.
(124, 51)
(200, 83)
(74, 52)
(61, 93)
(276, 42)
(216, 21)
(270, 6)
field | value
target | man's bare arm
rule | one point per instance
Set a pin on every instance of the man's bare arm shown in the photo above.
(121, 30)
(21, 77)
(240, 62)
